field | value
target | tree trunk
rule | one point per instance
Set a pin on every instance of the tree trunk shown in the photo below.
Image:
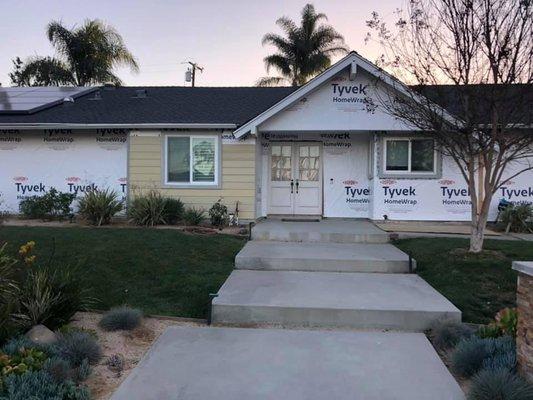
(477, 236)
(479, 223)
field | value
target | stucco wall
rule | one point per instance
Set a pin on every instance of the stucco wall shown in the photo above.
(237, 173)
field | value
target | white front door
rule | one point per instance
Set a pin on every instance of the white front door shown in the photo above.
(295, 178)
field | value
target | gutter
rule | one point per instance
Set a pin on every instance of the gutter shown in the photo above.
(25, 126)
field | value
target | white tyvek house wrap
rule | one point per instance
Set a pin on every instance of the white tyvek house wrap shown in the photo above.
(347, 190)
(337, 105)
(518, 190)
(33, 162)
(442, 199)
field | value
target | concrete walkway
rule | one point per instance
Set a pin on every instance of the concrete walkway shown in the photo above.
(331, 257)
(273, 364)
(326, 274)
(317, 274)
(334, 230)
(326, 299)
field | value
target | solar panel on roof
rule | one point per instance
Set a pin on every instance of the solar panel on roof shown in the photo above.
(27, 100)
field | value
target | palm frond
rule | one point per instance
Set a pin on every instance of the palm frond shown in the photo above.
(279, 62)
(278, 41)
(45, 71)
(271, 81)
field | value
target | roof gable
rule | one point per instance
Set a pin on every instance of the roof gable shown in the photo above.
(355, 67)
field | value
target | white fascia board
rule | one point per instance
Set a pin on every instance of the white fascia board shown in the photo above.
(117, 126)
(353, 59)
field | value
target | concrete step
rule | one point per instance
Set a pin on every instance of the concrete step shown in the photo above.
(332, 257)
(199, 363)
(330, 299)
(327, 231)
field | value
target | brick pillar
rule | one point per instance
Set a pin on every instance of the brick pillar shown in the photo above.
(524, 300)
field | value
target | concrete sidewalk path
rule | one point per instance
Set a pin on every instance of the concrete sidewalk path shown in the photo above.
(189, 363)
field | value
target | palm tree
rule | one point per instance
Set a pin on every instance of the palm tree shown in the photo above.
(86, 56)
(304, 52)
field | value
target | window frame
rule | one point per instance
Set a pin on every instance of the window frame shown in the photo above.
(191, 183)
(409, 171)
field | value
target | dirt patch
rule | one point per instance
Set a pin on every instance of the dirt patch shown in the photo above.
(464, 254)
(131, 345)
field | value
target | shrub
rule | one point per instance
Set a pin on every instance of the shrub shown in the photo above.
(173, 210)
(21, 361)
(194, 216)
(15, 344)
(52, 204)
(99, 206)
(41, 385)
(121, 318)
(62, 370)
(505, 323)
(506, 360)
(58, 368)
(468, 356)
(499, 385)
(76, 347)
(10, 321)
(518, 218)
(148, 209)
(219, 214)
(38, 294)
(51, 296)
(447, 334)
(115, 363)
(473, 354)
(489, 331)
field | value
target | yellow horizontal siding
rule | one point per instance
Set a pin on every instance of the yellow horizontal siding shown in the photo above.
(238, 176)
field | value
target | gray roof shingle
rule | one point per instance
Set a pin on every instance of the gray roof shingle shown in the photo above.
(205, 105)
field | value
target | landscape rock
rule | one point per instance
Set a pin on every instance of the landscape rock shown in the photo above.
(40, 334)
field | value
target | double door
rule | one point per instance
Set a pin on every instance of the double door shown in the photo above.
(295, 178)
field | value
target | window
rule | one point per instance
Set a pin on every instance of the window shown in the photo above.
(191, 160)
(410, 156)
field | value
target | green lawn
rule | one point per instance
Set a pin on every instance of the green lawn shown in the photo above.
(479, 285)
(167, 272)
(158, 270)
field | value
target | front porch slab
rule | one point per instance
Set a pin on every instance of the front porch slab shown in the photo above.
(331, 230)
(361, 300)
(325, 257)
(230, 363)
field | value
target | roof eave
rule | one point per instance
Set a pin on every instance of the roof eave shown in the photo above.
(29, 126)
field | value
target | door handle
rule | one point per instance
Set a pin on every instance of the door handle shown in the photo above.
(297, 184)
(292, 186)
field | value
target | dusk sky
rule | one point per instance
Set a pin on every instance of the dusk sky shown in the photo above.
(224, 36)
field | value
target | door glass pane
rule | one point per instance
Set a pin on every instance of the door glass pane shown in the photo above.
(309, 163)
(397, 155)
(422, 155)
(281, 163)
(203, 150)
(178, 159)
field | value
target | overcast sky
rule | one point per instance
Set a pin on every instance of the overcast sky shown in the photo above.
(224, 36)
